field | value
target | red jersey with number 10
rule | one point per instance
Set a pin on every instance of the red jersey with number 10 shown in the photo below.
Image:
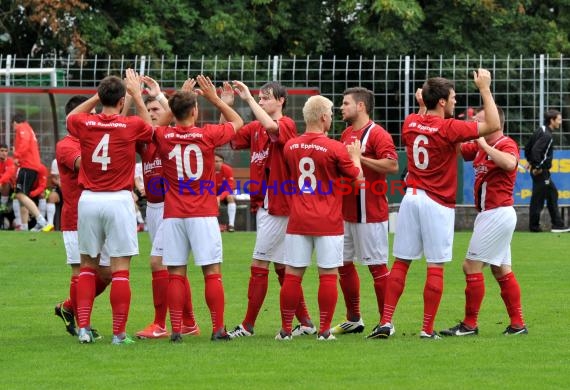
(108, 145)
(432, 157)
(187, 155)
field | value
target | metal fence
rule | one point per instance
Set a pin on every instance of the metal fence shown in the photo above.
(524, 87)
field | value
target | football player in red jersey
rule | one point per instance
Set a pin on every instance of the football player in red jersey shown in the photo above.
(68, 158)
(190, 206)
(495, 160)
(315, 163)
(365, 213)
(106, 214)
(265, 137)
(427, 212)
(154, 189)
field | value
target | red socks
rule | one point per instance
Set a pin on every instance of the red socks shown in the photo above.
(380, 274)
(350, 285)
(188, 313)
(215, 300)
(160, 281)
(256, 293)
(176, 298)
(474, 293)
(394, 289)
(433, 291)
(302, 313)
(120, 300)
(85, 295)
(289, 299)
(511, 294)
(328, 295)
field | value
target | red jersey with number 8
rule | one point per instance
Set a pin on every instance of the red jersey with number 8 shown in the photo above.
(108, 145)
(432, 158)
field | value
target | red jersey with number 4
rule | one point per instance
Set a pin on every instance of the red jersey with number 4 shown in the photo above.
(225, 183)
(108, 149)
(152, 172)
(187, 155)
(369, 205)
(493, 185)
(315, 163)
(67, 151)
(432, 158)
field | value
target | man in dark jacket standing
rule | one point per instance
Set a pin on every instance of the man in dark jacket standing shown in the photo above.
(543, 188)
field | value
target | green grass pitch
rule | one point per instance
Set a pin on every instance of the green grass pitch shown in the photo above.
(36, 352)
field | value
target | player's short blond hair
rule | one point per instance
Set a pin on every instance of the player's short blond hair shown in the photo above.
(315, 107)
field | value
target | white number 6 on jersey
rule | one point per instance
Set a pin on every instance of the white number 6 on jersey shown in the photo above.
(421, 153)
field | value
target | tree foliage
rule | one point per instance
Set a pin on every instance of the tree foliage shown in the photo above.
(293, 27)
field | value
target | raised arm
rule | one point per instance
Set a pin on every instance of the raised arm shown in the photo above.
(208, 91)
(482, 79)
(266, 121)
(133, 84)
(423, 109)
(227, 95)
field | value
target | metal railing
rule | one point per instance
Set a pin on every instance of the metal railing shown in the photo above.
(524, 86)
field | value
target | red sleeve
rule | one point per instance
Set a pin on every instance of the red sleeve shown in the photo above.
(385, 147)
(460, 131)
(9, 171)
(66, 155)
(72, 124)
(286, 129)
(469, 150)
(344, 162)
(242, 138)
(22, 141)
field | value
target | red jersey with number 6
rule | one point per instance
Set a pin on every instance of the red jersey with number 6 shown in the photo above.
(187, 155)
(432, 158)
(315, 163)
(108, 149)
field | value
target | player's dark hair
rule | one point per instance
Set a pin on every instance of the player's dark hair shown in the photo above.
(434, 89)
(550, 115)
(361, 94)
(149, 99)
(73, 102)
(19, 117)
(3, 146)
(217, 154)
(110, 90)
(277, 90)
(182, 103)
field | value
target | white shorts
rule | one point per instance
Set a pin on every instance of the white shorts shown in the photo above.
(300, 250)
(492, 235)
(424, 227)
(201, 235)
(366, 243)
(107, 217)
(72, 250)
(154, 218)
(270, 238)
